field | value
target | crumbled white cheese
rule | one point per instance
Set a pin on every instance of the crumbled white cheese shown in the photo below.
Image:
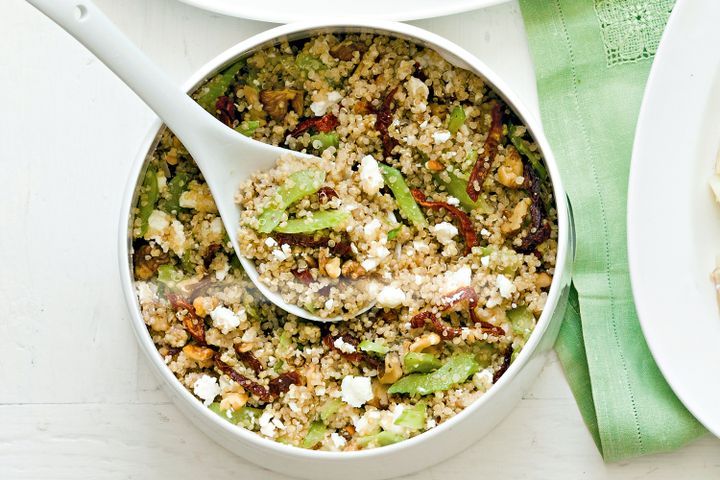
(267, 427)
(388, 420)
(278, 423)
(146, 292)
(420, 246)
(166, 231)
(249, 335)
(371, 179)
(368, 423)
(390, 297)
(371, 229)
(226, 320)
(377, 254)
(286, 249)
(279, 254)
(222, 273)
(329, 304)
(216, 226)
(441, 137)
(356, 390)
(337, 440)
(369, 264)
(483, 379)
(207, 388)
(270, 242)
(444, 232)
(158, 221)
(417, 88)
(320, 107)
(505, 286)
(485, 261)
(484, 232)
(457, 279)
(343, 346)
(453, 201)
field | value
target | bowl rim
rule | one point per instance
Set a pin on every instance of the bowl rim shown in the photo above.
(442, 46)
(265, 15)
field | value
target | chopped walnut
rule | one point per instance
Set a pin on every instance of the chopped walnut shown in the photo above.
(514, 222)
(198, 353)
(393, 369)
(332, 267)
(353, 270)
(345, 51)
(510, 172)
(277, 102)
(146, 264)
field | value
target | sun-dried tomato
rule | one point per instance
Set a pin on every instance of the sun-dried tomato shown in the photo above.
(192, 323)
(303, 276)
(323, 124)
(249, 359)
(482, 165)
(506, 363)
(249, 385)
(466, 226)
(226, 110)
(539, 226)
(355, 357)
(445, 331)
(384, 119)
(281, 383)
(326, 194)
(448, 301)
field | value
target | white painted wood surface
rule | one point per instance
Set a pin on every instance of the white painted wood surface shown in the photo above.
(76, 399)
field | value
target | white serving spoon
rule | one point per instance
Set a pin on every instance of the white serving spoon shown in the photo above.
(224, 156)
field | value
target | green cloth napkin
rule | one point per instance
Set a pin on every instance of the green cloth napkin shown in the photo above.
(592, 58)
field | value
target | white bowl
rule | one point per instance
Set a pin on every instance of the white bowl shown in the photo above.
(430, 447)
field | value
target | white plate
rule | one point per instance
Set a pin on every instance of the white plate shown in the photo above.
(285, 11)
(673, 222)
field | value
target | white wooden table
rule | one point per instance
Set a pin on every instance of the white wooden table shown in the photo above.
(76, 398)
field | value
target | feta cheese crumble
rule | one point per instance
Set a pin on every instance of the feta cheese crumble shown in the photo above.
(505, 286)
(458, 279)
(390, 297)
(441, 137)
(321, 107)
(371, 229)
(444, 232)
(207, 388)
(343, 346)
(371, 180)
(225, 319)
(356, 390)
(337, 440)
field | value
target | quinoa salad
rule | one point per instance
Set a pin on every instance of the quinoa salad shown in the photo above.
(429, 201)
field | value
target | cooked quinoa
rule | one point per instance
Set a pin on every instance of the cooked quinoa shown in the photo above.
(457, 257)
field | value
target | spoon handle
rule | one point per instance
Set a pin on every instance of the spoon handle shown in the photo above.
(85, 21)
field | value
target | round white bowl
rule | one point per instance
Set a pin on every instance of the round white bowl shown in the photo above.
(442, 441)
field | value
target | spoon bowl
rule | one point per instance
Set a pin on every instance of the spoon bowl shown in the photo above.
(225, 157)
